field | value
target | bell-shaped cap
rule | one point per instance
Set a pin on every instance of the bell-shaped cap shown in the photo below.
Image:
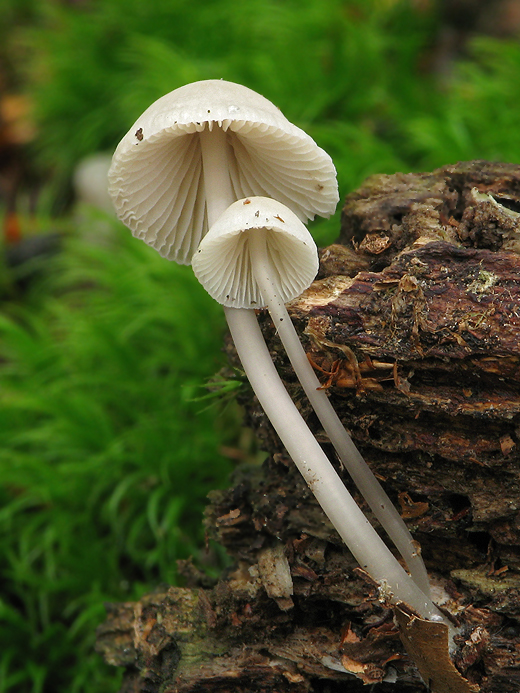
(156, 179)
(224, 264)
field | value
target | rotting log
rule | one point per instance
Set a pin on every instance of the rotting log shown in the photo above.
(413, 327)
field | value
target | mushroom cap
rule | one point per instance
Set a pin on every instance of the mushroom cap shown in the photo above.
(156, 180)
(223, 264)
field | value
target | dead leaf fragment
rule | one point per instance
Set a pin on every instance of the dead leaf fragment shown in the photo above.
(411, 509)
(507, 444)
(231, 518)
(427, 644)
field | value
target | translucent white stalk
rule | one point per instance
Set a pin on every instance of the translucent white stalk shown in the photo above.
(356, 531)
(361, 474)
(341, 509)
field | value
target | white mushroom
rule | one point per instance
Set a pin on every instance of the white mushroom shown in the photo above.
(184, 162)
(259, 253)
(230, 260)
(157, 171)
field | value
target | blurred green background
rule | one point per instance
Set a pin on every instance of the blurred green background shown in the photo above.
(108, 445)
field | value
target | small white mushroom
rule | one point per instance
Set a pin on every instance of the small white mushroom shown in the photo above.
(90, 181)
(257, 254)
(228, 261)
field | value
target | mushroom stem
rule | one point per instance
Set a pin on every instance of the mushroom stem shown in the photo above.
(339, 506)
(217, 183)
(362, 475)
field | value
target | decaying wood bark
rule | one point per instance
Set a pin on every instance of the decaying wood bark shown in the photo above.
(413, 326)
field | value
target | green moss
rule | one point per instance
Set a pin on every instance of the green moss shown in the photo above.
(105, 459)
(106, 453)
